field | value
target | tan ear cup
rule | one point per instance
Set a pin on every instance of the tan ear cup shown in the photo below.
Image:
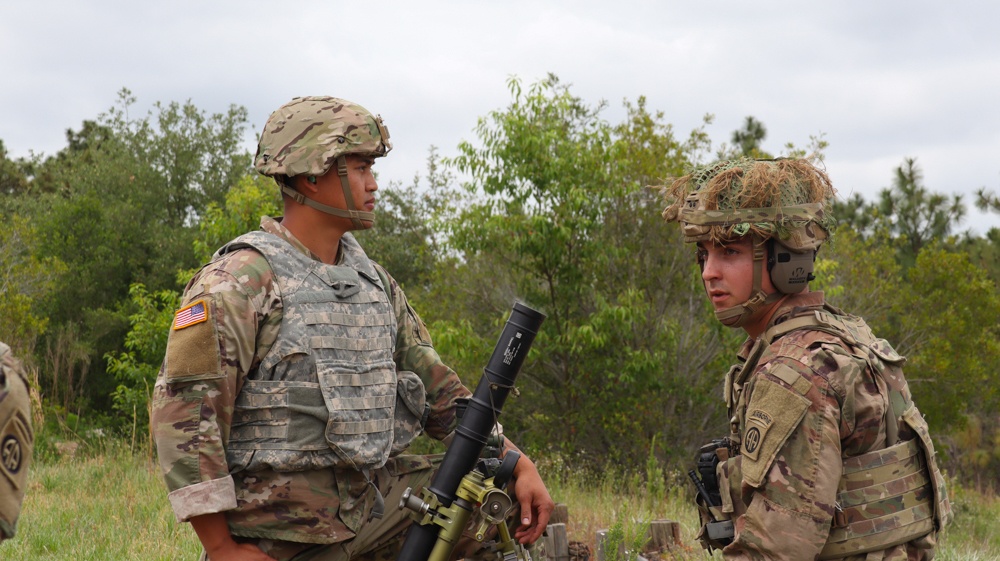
(791, 271)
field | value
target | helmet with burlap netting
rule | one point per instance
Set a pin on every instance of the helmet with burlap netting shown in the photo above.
(308, 135)
(781, 204)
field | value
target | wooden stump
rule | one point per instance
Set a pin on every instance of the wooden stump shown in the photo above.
(556, 543)
(662, 535)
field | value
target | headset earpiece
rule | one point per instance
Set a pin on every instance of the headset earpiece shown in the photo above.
(790, 271)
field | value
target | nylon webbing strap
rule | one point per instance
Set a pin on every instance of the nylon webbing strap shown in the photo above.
(348, 196)
(303, 200)
(788, 326)
(702, 217)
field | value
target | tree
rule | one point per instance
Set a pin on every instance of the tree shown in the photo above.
(748, 139)
(915, 215)
(13, 180)
(406, 239)
(24, 279)
(561, 218)
(120, 206)
(856, 213)
(987, 200)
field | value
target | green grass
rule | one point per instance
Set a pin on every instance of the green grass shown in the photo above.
(112, 505)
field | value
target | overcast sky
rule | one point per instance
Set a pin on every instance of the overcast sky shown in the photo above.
(881, 80)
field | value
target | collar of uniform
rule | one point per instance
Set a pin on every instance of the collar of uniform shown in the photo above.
(273, 226)
(788, 308)
(350, 255)
(794, 304)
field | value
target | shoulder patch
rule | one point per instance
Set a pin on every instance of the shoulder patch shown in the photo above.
(773, 413)
(193, 345)
(16, 440)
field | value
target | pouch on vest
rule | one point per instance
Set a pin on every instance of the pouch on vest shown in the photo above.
(411, 411)
(942, 506)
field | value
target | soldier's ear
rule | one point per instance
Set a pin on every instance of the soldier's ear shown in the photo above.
(305, 184)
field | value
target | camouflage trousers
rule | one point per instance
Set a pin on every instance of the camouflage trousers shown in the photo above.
(381, 538)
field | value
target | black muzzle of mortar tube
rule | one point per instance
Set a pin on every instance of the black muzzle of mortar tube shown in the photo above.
(477, 422)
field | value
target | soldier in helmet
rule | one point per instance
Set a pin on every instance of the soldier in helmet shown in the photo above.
(16, 440)
(827, 456)
(296, 373)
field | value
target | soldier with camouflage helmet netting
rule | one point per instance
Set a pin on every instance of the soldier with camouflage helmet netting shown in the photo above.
(296, 372)
(16, 440)
(827, 456)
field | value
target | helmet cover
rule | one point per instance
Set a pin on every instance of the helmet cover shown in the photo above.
(307, 135)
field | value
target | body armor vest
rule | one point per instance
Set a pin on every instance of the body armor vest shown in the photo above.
(885, 497)
(325, 394)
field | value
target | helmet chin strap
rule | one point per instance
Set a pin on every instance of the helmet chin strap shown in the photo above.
(351, 212)
(741, 314)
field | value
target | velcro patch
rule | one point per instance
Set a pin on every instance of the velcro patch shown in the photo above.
(15, 451)
(193, 345)
(773, 414)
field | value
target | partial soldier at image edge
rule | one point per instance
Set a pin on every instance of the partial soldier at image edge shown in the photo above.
(16, 440)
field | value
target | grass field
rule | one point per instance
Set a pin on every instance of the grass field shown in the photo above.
(112, 506)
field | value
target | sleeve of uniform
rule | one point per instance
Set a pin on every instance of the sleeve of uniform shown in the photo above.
(210, 348)
(415, 352)
(790, 461)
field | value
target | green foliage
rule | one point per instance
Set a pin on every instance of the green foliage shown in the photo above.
(119, 206)
(956, 348)
(250, 198)
(24, 279)
(907, 213)
(554, 211)
(748, 138)
(625, 540)
(136, 368)
(560, 218)
(145, 345)
(405, 239)
(12, 177)
(984, 252)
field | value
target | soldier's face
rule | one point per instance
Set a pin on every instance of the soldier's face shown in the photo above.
(727, 271)
(362, 181)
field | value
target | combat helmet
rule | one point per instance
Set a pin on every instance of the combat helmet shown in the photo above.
(308, 135)
(782, 204)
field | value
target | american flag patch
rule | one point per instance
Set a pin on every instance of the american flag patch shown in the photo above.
(195, 313)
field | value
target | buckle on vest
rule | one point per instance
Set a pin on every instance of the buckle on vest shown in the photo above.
(839, 517)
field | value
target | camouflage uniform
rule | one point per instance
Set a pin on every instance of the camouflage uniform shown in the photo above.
(809, 422)
(16, 440)
(827, 457)
(208, 368)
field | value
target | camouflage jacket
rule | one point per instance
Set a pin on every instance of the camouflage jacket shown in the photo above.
(192, 409)
(809, 403)
(16, 440)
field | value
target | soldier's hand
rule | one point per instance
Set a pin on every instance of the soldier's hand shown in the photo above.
(536, 504)
(214, 534)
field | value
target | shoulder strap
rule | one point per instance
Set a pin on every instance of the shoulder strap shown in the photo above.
(384, 277)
